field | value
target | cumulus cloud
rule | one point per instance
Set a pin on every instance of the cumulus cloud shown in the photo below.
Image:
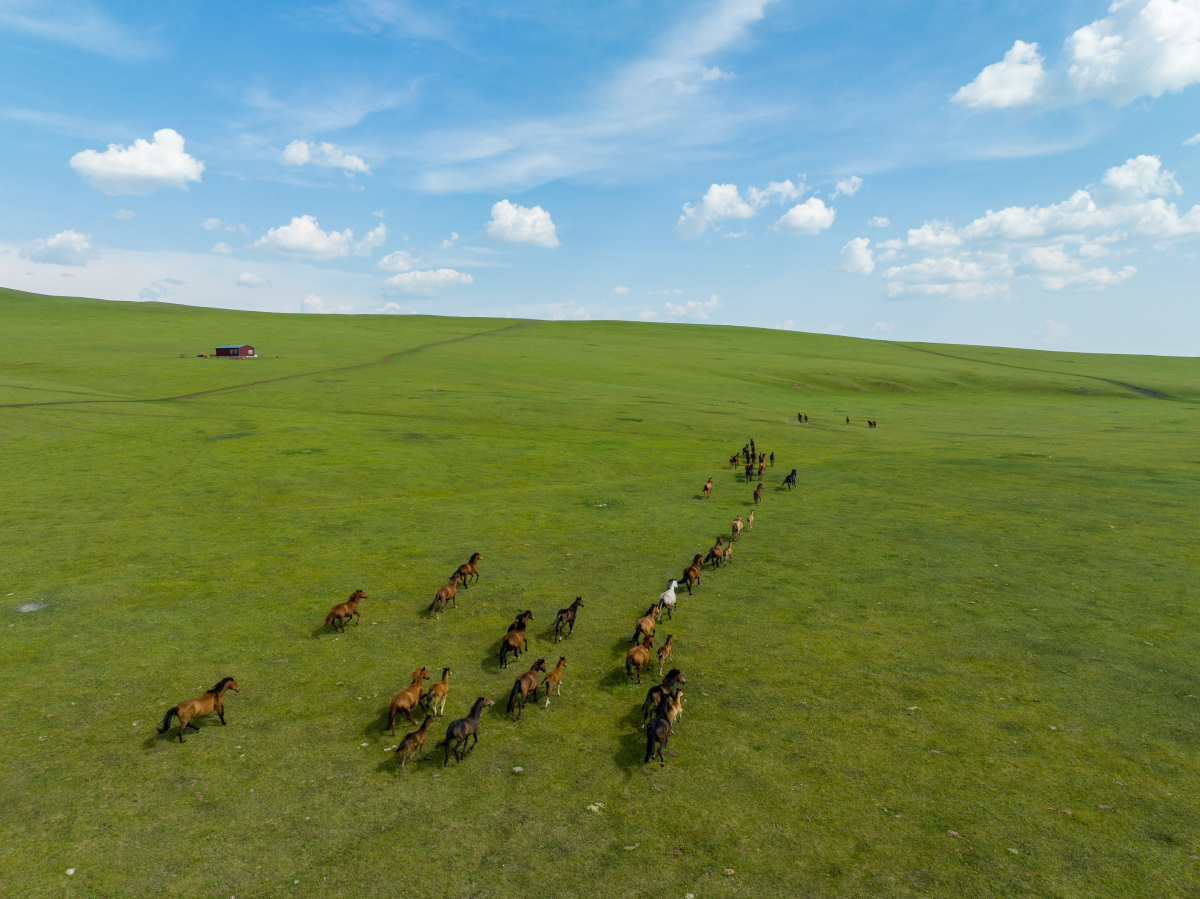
(215, 224)
(515, 224)
(221, 247)
(317, 306)
(371, 241)
(880, 221)
(141, 168)
(846, 187)
(303, 236)
(1014, 81)
(326, 155)
(397, 261)
(857, 257)
(249, 279)
(719, 203)
(774, 192)
(429, 281)
(64, 248)
(694, 308)
(809, 217)
(1142, 176)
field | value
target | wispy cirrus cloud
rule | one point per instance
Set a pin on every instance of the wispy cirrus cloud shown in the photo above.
(76, 23)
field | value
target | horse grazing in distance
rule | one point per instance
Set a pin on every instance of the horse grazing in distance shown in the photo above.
(566, 618)
(736, 529)
(524, 685)
(462, 730)
(468, 568)
(758, 493)
(664, 652)
(644, 625)
(413, 742)
(673, 679)
(707, 489)
(514, 642)
(344, 611)
(438, 693)
(553, 680)
(200, 707)
(790, 480)
(714, 554)
(659, 731)
(445, 595)
(522, 620)
(408, 698)
(691, 574)
(666, 600)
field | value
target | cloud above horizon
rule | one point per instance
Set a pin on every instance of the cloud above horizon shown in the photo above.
(141, 168)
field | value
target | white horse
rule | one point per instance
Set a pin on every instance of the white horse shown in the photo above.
(667, 600)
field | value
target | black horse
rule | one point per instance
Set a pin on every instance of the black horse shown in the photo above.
(659, 730)
(463, 729)
(566, 618)
(790, 480)
(749, 471)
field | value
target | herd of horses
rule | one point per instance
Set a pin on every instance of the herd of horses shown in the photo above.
(661, 708)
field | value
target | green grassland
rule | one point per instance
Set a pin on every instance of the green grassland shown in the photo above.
(978, 618)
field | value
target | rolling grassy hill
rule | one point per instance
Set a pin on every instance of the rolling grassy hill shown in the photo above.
(960, 660)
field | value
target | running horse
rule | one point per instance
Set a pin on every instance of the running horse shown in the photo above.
(200, 707)
(462, 730)
(566, 618)
(468, 569)
(344, 611)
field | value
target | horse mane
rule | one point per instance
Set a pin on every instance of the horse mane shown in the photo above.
(221, 683)
(673, 674)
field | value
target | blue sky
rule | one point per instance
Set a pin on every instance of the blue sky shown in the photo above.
(1011, 173)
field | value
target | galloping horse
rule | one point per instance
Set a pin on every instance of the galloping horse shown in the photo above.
(664, 652)
(736, 530)
(445, 595)
(673, 679)
(659, 730)
(201, 706)
(524, 685)
(514, 642)
(463, 729)
(750, 521)
(438, 693)
(691, 574)
(412, 742)
(758, 493)
(707, 490)
(749, 470)
(553, 680)
(714, 554)
(468, 568)
(408, 698)
(638, 656)
(666, 600)
(727, 555)
(733, 461)
(790, 480)
(644, 625)
(522, 620)
(566, 618)
(343, 611)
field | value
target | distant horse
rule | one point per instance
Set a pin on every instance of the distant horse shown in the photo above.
(344, 611)
(514, 642)
(736, 529)
(733, 461)
(659, 731)
(847, 419)
(445, 595)
(691, 574)
(408, 698)
(644, 625)
(468, 569)
(800, 417)
(666, 600)
(707, 489)
(438, 693)
(462, 730)
(413, 742)
(790, 480)
(673, 679)
(525, 684)
(200, 707)
(566, 618)
(638, 656)
(762, 466)
(664, 652)
(553, 680)
(772, 460)
(758, 493)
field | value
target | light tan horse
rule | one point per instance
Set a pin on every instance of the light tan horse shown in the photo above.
(707, 490)
(664, 652)
(750, 521)
(645, 624)
(553, 680)
(675, 709)
(408, 698)
(438, 693)
(200, 707)
(735, 531)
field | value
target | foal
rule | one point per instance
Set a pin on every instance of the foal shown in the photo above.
(750, 521)
(673, 679)
(413, 742)
(445, 595)
(664, 652)
(707, 490)
(344, 611)
(639, 656)
(737, 528)
(553, 680)
(675, 710)
(524, 684)
(727, 555)
(758, 494)
(691, 574)
(566, 618)
(438, 693)
(408, 698)
(468, 568)
(201, 706)
(644, 625)
(462, 730)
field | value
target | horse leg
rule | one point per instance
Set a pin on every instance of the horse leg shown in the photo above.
(661, 746)
(475, 739)
(221, 715)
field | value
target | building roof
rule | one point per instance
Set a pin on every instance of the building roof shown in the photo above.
(232, 346)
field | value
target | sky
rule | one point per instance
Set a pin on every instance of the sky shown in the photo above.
(1001, 173)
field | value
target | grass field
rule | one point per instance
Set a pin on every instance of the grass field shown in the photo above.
(978, 618)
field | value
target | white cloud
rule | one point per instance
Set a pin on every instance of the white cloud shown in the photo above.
(397, 261)
(933, 234)
(327, 155)
(880, 221)
(76, 23)
(450, 241)
(1142, 176)
(429, 281)
(1014, 81)
(303, 237)
(647, 315)
(809, 217)
(373, 240)
(882, 326)
(846, 187)
(621, 290)
(141, 168)
(249, 279)
(719, 203)
(776, 191)
(315, 305)
(215, 224)
(1192, 141)
(221, 247)
(1091, 279)
(64, 248)
(694, 308)
(163, 287)
(521, 225)
(857, 257)
(396, 309)
(124, 214)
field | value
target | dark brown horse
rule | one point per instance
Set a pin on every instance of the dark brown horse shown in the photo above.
(522, 620)
(673, 679)
(525, 684)
(659, 730)
(733, 460)
(468, 569)
(462, 730)
(714, 554)
(790, 480)
(445, 595)
(344, 611)
(758, 494)
(514, 642)
(691, 574)
(200, 707)
(414, 742)
(566, 618)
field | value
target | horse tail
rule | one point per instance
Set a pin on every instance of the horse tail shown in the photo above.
(649, 743)
(392, 717)
(503, 651)
(432, 606)
(512, 697)
(166, 722)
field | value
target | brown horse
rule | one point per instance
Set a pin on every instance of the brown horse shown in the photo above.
(408, 698)
(553, 680)
(733, 460)
(639, 656)
(445, 595)
(707, 490)
(645, 624)
(201, 706)
(762, 466)
(659, 730)
(758, 493)
(522, 620)
(714, 554)
(462, 730)
(673, 679)
(526, 683)
(413, 742)
(566, 618)
(664, 652)
(468, 568)
(438, 693)
(344, 611)
(514, 642)
(691, 574)
(736, 529)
